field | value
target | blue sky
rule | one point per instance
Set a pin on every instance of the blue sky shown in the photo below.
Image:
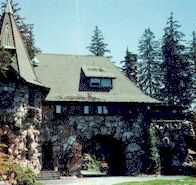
(66, 26)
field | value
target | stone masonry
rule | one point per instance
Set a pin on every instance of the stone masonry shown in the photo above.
(20, 123)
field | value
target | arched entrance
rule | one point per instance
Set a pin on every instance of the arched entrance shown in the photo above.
(47, 156)
(109, 150)
(5, 140)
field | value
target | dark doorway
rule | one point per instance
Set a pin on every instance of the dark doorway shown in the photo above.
(166, 162)
(109, 150)
(47, 156)
(5, 141)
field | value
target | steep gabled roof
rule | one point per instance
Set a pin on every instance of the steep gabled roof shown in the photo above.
(11, 39)
(62, 73)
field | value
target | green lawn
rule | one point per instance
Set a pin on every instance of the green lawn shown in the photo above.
(187, 181)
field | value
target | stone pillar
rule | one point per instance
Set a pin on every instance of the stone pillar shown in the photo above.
(134, 151)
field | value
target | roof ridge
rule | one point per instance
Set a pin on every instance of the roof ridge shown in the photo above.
(61, 54)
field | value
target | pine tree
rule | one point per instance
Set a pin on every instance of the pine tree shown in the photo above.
(192, 59)
(5, 61)
(97, 46)
(176, 71)
(30, 40)
(25, 29)
(130, 68)
(149, 64)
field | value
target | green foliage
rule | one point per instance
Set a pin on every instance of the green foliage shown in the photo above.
(155, 162)
(149, 64)
(23, 176)
(130, 68)
(176, 66)
(38, 183)
(192, 62)
(5, 61)
(97, 46)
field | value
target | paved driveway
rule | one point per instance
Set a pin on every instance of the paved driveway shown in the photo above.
(104, 180)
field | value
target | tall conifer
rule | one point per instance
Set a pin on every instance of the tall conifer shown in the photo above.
(97, 46)
(149, 64)
(130, 68)
(176, 68)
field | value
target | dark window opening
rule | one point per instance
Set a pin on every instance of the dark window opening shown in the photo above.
(31, 97)
(5, 141)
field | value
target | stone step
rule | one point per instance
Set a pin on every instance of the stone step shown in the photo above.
(49, 175)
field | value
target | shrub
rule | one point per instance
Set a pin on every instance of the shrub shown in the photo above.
(23, 176)
(154, 166)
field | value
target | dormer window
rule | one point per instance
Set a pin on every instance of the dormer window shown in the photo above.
(96, 79)
(101, 82)
(106, 83)
(95, 82)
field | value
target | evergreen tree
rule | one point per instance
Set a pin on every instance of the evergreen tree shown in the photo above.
(97, 46)
(149, 64)
(130, 68)
(192, 59)
(25, 29)
(176, 68)
(5, 62)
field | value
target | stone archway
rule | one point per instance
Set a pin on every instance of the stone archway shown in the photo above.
(107, 149)
(122, 138)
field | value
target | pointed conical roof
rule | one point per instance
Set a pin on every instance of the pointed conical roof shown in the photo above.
(11, 39)
(8, 8)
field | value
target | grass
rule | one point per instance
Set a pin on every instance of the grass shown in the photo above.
(187, 181)
(38, 183)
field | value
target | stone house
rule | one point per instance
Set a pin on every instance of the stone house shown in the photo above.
(56, 107)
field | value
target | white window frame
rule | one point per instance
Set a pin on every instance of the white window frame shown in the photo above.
(58, 109)
(102, 109)
(99, 109)
(86, 109)
(105, 110)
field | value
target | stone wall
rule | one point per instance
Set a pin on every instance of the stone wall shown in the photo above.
(78, 131)
(70, 135)
(175, 137)
(20, 123)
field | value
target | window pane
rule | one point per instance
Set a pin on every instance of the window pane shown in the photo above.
(106, 83)
(58, 109)
(99, 109)
(95, 82)
(105, 110)
(86, 109)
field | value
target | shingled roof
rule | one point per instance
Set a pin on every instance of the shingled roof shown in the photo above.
(62, 74)
(11, 39)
